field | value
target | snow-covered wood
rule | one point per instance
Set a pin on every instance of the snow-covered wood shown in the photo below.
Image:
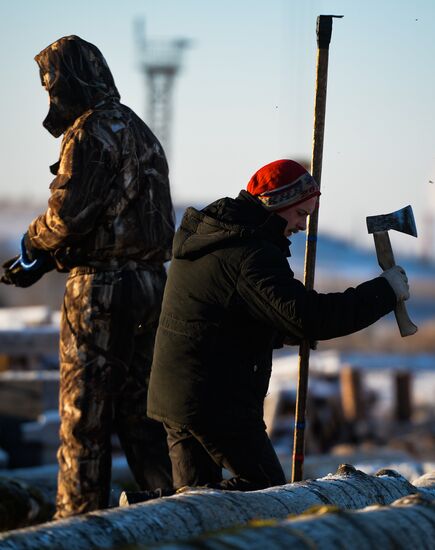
(198, 511)
(409, 523)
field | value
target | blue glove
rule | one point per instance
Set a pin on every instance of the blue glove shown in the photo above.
(29, 267)
(31, 258)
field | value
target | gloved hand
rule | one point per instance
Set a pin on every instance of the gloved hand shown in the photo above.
(15, 274)
(31, 257)
(9, 266)
(398, 280)
(29, 267)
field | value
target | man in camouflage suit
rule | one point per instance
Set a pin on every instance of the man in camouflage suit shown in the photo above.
(109, 223)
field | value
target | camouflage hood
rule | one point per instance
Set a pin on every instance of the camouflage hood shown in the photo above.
(77, 78)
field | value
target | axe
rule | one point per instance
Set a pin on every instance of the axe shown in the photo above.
(402, 220)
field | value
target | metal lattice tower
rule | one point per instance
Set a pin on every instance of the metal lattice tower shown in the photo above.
(160, 61)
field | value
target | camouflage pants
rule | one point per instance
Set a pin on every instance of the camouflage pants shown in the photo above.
(107, 336)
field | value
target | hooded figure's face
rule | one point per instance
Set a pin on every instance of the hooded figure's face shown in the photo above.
(76, 77)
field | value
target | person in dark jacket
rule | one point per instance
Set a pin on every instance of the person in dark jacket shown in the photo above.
(231, 297)
(110, 224)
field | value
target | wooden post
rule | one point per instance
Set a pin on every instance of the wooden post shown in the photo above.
(351, 394)
(403, 399)
(324, 31)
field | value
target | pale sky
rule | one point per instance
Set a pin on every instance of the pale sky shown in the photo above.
(245, 97)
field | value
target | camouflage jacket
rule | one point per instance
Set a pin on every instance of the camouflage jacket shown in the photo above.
(110, 201)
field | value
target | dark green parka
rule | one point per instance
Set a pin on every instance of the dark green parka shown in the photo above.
(230, 296)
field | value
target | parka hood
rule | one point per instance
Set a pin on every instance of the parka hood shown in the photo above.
(226, 221)
(76, 77)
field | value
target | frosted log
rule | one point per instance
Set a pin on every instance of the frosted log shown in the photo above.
(23, 504)
(406, 524)
(195, 512)
(28, 495)
(426, 481)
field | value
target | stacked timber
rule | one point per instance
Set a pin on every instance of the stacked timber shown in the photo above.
(199, 511)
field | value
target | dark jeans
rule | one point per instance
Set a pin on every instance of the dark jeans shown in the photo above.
(198, 458)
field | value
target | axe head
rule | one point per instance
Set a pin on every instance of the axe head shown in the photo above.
(402, 220)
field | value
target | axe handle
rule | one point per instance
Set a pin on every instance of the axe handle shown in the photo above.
(386, 260)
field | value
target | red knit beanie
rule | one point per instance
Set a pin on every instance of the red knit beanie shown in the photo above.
(281, 184)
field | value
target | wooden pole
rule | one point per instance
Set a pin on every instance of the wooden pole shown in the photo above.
(324, 31)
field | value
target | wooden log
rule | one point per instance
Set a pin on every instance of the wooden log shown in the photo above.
(195, 512)
(26, 394)
(407, 523)
(28, 495)
(24, 503)
(47, 474)
(426, 481)
(30, 341)
(21, 317)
